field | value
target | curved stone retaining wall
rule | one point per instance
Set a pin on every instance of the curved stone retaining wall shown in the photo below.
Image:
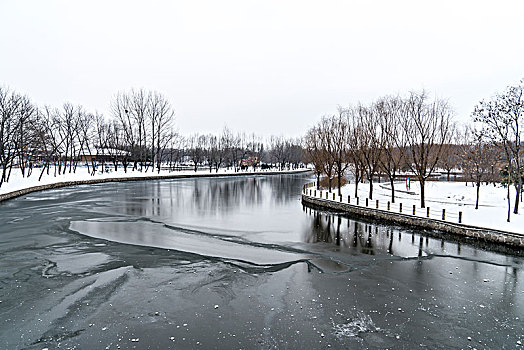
(14, 194)
(507, 238)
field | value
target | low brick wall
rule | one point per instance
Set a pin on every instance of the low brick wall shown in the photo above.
(14, 194)
(502, 237)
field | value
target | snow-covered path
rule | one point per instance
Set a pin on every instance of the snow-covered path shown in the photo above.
(454, 197)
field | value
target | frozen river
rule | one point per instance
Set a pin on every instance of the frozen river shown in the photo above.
(239, 263)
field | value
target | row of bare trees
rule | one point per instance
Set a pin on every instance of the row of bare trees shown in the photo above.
(143, 121)
(227, 149)
(17, 115)
(380, 139)
(139, 135)
(417, 134)
(138, 132)
(240, 151)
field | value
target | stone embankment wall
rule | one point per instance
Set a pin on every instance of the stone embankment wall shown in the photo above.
(14, 194)
(502, 237)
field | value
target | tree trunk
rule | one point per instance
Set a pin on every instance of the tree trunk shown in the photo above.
(370, 189)
(517, 198)
(339, 178)
(9, 173)
(2, 178)
(509, 203)
(422, 194)
(519, 190)
(43, 170)
(478, 192)
(392, 190)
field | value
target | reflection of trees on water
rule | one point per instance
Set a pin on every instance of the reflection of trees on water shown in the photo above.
(390, 247)
(342, 232)
(209, 196)
(355, 236)
(370, 238)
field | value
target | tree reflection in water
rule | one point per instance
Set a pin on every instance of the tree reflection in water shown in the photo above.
(209, 195)
(360, 236)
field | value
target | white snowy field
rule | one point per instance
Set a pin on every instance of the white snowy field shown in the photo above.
(17, 182)
(454, 197)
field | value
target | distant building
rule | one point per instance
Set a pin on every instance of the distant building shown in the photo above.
(103, 155)
(251, 161)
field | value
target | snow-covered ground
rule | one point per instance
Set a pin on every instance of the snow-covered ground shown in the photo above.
(17, 182)
(454, 197)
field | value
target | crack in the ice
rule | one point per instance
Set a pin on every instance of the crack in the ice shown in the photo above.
(473, 260)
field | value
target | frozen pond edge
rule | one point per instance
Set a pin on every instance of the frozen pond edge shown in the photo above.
(477, 233)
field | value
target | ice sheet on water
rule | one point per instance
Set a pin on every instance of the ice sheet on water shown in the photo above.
(158, 235)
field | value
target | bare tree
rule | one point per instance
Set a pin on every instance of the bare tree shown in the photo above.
(235, 150)
(161, 116)
(294, 153)
(196, 145)
(120, 109)
(340, 135)
(102, 132)
(372, 135)
(255, 148)
(355, 149)
(138, 108)
(24, 133)
(85, 135)
(48, 141)
(314, 152)
(450, 156)
(131, 109)
(113, 142)
(511, 104)
(226, 141)
(427, 127)
(394, 139)
(176, 151)
(326, 142)
(278, 150)
(478, 157)
(502, 118)
(210, 150)
(16, 112)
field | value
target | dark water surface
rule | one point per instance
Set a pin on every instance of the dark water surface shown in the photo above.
(239, 263)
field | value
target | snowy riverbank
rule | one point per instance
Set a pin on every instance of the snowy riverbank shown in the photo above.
(454, 197)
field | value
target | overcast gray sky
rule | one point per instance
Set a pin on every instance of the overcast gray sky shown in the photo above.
(273, 67)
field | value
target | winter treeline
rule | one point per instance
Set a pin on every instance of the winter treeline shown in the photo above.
(61, 139)
(382, 138)
(141, 128)
(237, 151)
(138, 135)
(417, 135)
